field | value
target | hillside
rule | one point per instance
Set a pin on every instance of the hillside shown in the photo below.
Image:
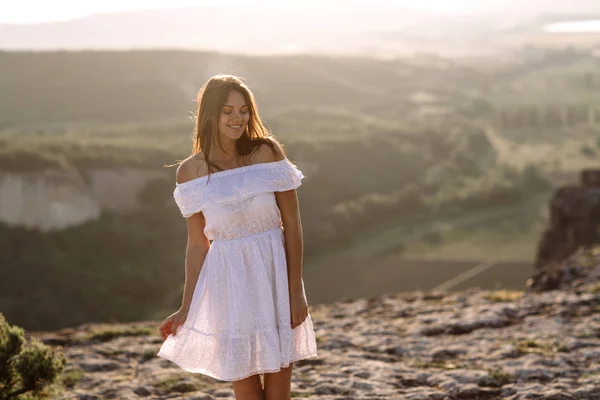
(389, 149)
(59, 91)
(419, 345)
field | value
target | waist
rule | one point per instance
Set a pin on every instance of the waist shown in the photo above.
(242, 236)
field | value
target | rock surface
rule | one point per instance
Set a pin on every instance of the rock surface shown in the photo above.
(574, 223)
(419, 345)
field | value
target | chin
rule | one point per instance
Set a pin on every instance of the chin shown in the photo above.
(230, 136)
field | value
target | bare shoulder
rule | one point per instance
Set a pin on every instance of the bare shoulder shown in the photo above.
(267, 154)
(191, 168)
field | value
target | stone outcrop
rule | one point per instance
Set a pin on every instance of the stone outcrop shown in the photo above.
(574, 224)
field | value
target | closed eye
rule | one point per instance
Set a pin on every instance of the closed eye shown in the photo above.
(229, 112)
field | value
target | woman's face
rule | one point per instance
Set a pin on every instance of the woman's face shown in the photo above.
(234, 116)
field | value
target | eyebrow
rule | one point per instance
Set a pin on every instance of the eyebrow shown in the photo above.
(245, 105)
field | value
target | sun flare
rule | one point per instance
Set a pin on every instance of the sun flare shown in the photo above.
(32, 11)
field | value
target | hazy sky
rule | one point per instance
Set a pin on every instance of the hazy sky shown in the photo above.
(32, 11)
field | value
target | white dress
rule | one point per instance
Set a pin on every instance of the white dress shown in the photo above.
(239, 320)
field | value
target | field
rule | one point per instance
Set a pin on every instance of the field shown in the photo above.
(418, 169)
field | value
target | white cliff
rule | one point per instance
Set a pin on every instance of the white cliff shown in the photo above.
(56, 199)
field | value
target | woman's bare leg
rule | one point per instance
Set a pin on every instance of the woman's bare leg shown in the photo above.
(249, 388)
(278, 385)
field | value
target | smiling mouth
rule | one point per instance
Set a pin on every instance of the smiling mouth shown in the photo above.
(235, 126)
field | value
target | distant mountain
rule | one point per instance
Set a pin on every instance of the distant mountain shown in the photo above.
(273, 30)
(377, 28)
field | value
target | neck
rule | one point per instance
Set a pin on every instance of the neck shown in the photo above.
(230, 152)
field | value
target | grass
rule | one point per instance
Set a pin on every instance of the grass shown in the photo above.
(594, 288)
(441, 364)
(587, 375)
(109, 333)
(96, 146)
(539, 146)
(303, 376)
(168, 382)
(177, 383)
(149, 354)
(501, 376)
(508, 233)
(343, 141)
(546, 348)
(295, 394)
(71, 377)
(503, 295)
(153, 143)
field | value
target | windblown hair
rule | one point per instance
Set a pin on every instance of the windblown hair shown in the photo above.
(210, 101)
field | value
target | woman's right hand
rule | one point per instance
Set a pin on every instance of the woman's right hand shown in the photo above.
(173, 322)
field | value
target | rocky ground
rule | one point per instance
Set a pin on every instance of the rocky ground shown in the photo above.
(419, 345)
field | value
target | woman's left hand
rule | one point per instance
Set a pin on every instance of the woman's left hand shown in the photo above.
(298, 307)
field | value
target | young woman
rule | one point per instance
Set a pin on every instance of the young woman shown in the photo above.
(244, 310)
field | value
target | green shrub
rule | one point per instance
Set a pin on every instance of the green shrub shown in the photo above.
(27, 370)
(588, 151)
(71, 377)
(149, 354)
(501, 376)
(106, 334)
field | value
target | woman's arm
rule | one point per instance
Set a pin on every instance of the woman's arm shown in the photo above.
(197, 243)
(287, 202)
(292, 229)
(196, 250)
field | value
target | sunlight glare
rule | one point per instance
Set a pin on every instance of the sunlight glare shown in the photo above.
(38, 11)
(574, 27)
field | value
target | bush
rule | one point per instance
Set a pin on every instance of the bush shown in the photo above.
(26, 370)
(502, 185)
(588, 151)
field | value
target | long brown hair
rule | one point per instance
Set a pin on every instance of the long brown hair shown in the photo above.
(210, 101)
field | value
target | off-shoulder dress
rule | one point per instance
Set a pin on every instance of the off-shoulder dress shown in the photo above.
(239, 318)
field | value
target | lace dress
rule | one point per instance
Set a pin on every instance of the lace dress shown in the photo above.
(239, 320)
